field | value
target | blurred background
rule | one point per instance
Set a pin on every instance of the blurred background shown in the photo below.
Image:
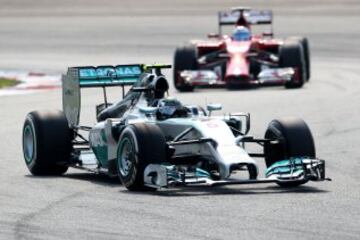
(52, 35)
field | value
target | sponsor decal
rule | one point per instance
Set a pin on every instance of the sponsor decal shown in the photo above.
(128, 71)
(87, 73)
(69, 92)
(110, 72)
(96, 139)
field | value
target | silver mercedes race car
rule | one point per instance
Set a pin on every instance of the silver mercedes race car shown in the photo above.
(152, 141)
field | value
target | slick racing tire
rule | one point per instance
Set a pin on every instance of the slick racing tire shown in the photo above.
(47, 142)
(139, 145)
(305, 44)
(185, 59)
(295, 140)
(291, 54)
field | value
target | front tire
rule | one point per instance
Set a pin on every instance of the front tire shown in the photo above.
(292, 55)
(46, 142)
(139, 145)
(305, 44)
(294, 140)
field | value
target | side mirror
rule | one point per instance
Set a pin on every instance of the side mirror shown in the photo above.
(213, 107)
(245, 122)
(213, 35)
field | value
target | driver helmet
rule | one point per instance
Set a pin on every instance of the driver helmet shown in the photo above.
(241, 33)
(170, 107)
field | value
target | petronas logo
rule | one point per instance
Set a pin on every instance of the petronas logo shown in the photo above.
(109, 72)
(128, 71)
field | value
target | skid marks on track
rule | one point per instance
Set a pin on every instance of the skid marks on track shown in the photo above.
(24, 227)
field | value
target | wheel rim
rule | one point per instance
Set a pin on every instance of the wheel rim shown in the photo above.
(126, 157)
(29, 144)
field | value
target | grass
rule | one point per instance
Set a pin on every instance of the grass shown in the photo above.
(7, 82)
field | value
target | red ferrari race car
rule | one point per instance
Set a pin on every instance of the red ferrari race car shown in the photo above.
(244, 58)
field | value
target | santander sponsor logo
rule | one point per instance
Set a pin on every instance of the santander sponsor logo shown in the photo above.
(238, 47)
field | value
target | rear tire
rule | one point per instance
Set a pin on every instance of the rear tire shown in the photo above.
(46, 142)
(292, 55)
(139, 145)
(185, 59)
(295, 140)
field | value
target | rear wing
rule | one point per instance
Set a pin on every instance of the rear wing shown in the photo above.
(101, 77)
(251, 17)
(86, 77)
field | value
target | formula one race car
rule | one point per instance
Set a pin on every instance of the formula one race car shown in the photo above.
(152, 141)
(243, 59)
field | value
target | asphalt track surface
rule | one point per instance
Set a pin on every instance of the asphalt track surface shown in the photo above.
(51, 35)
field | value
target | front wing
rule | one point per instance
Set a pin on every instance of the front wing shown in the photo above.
(268, 76)
(291, 171)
